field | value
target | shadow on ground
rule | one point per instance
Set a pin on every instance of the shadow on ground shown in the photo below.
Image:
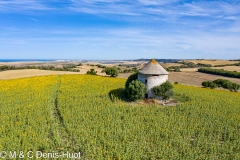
(118, 94)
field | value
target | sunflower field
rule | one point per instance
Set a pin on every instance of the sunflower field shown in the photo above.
(87, 114)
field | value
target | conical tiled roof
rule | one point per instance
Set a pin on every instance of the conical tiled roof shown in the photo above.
(153, 67)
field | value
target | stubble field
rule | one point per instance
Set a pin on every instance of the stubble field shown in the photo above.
(212, 62)
(196, 78)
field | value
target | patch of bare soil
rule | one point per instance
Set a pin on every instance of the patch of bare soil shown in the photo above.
(170, 102)
(189, 69)
(124, 75)
(229, 68)
(212, 62)
(84, 68)
(150, 101)
(166, 65)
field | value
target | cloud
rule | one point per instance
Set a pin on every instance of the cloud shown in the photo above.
(23, 5)
(166, 26)
(210, 9)
(137, 37)
(156, 2)
(144, 8)
(199, 14)
(117, 7)
(133, 41)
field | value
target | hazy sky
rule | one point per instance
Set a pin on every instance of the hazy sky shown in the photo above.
(119, 29)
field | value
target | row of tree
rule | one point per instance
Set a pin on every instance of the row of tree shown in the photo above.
(221, 83)
(186, 65)
(221, 72)
(193, 65)
(69, 67)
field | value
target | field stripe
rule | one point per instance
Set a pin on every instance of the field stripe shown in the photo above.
(63, 138)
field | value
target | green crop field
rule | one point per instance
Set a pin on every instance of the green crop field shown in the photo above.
(77, 113)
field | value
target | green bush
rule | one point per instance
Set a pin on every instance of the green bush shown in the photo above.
(227, 84)
(100, 66)
(164, 90)
(232, 86)
(136, 90)
(103, 71)
(221, 82)
(92, 72)
(177, 69)
(132, 77)
(173, 69)
(209, 84)
(112, 71)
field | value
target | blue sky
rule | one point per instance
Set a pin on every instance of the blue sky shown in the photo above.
(119, 29)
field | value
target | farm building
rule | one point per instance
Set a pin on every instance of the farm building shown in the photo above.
(152, 74)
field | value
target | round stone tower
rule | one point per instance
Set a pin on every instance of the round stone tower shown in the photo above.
(152, 74)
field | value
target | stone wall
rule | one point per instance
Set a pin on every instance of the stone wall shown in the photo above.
(151, 81)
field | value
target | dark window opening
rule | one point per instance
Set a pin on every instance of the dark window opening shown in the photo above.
(145, 80)
(146, 95)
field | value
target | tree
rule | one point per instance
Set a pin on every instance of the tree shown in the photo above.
(232, 86)
(177, 69)
(227, 84)
(92, 72)
(209, 84)
(132, 77)
(136, 90)
(235, 87)
(112, 71)
(164, 90)
(221, 82)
